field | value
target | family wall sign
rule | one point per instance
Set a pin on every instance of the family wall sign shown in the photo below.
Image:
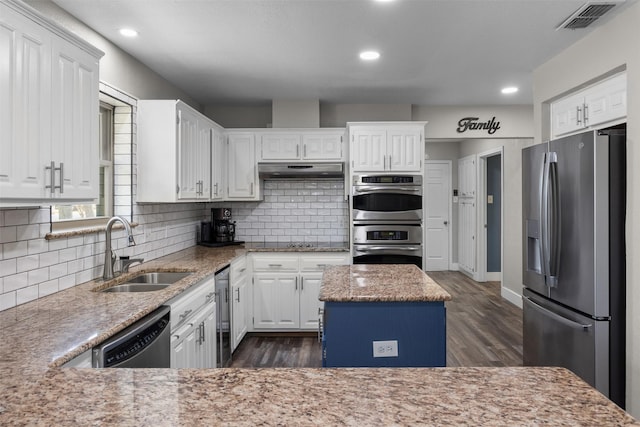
(473, 123)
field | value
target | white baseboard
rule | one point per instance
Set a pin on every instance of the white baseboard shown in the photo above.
(493, 276)
(511, 296)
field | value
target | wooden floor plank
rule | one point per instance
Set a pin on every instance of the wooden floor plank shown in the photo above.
(483, 329)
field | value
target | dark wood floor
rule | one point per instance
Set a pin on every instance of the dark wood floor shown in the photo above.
(483, 329)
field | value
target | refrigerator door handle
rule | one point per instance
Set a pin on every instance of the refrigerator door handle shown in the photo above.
(554, 223)
(561, 319)
(550, 220)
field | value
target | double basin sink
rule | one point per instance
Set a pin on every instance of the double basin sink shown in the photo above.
(148, 282)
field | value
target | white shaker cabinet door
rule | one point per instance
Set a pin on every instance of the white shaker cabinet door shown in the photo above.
(242, 172)
(24, 116)
(368, 151)
(322, 147)
(309, 302)
(187, 154)
(74, 122)
(405, 150)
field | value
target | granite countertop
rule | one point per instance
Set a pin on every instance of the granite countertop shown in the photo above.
(297, 247)
(62, 325)
(351, 396)
(377, 283)
(38, 337)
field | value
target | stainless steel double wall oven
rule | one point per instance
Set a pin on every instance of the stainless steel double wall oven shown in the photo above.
(387, 219)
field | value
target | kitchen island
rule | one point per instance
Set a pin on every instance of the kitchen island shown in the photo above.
(390, 315)
(36, 338)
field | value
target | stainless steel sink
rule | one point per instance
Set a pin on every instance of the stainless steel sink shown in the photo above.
(137, 287)
(162, 277)
(148, 282)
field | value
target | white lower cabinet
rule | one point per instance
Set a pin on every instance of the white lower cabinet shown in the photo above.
(286, 288)
(193, 327)
(276, 303)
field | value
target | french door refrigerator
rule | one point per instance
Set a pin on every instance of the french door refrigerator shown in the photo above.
(574, 191)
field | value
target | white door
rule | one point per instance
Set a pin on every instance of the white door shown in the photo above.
(437, 221)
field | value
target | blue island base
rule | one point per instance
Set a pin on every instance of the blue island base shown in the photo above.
(350, 328)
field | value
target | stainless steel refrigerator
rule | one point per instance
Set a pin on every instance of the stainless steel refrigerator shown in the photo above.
(574, 199)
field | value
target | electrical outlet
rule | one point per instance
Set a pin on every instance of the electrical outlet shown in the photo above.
(385, 348)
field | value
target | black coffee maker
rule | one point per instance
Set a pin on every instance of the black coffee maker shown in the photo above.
(223, 229)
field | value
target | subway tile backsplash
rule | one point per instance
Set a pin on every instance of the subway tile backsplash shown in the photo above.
(294, 211)
(32, 267)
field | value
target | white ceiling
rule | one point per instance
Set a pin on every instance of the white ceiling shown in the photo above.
(434, 52)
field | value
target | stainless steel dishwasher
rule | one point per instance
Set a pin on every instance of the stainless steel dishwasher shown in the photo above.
(144, 344)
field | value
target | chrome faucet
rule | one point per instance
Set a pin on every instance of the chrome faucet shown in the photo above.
(109, 256)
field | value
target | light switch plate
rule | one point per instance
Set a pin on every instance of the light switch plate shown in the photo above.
(490, 199)
(385, 348)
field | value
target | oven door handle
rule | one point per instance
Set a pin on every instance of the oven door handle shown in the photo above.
(387, 248)
(393, 190)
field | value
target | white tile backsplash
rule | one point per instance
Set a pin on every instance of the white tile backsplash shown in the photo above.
(293, 211)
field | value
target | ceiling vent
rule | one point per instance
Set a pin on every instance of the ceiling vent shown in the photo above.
(587, 15)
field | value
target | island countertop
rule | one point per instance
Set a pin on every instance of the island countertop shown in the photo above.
(379, 282)
(301, 397)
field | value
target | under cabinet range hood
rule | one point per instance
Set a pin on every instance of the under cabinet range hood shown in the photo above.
(300, 170)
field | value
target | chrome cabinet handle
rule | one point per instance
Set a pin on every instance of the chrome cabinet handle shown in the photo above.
(185, 314)
(61, 169)
(238, 300)
(578, 111)
(446, 222)
(296, 283)
(215, 188)
(251, 189)
(297, 150)
(585, 109)
(305, 150)
(379, 248)
(275, 265)
(52, 177)
(209, 295)
(302, 283)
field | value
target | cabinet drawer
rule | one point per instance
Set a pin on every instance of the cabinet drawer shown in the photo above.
(187, 304)
(238, 267)
(315, 263)
(281, 262)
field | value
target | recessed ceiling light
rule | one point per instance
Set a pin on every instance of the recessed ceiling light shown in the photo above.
(509, 90)
(128, 32)
(369, 55)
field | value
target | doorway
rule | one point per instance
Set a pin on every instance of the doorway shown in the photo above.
(490, 214)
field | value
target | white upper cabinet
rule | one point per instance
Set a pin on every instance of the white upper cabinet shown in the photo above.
(602, 103)
(48, 111)
(242, 176)
(322, 146)
(387, 147)
(300, 145)
(280, 147)
(174, 152)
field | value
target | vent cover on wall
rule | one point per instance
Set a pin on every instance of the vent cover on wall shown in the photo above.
(586, 15)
